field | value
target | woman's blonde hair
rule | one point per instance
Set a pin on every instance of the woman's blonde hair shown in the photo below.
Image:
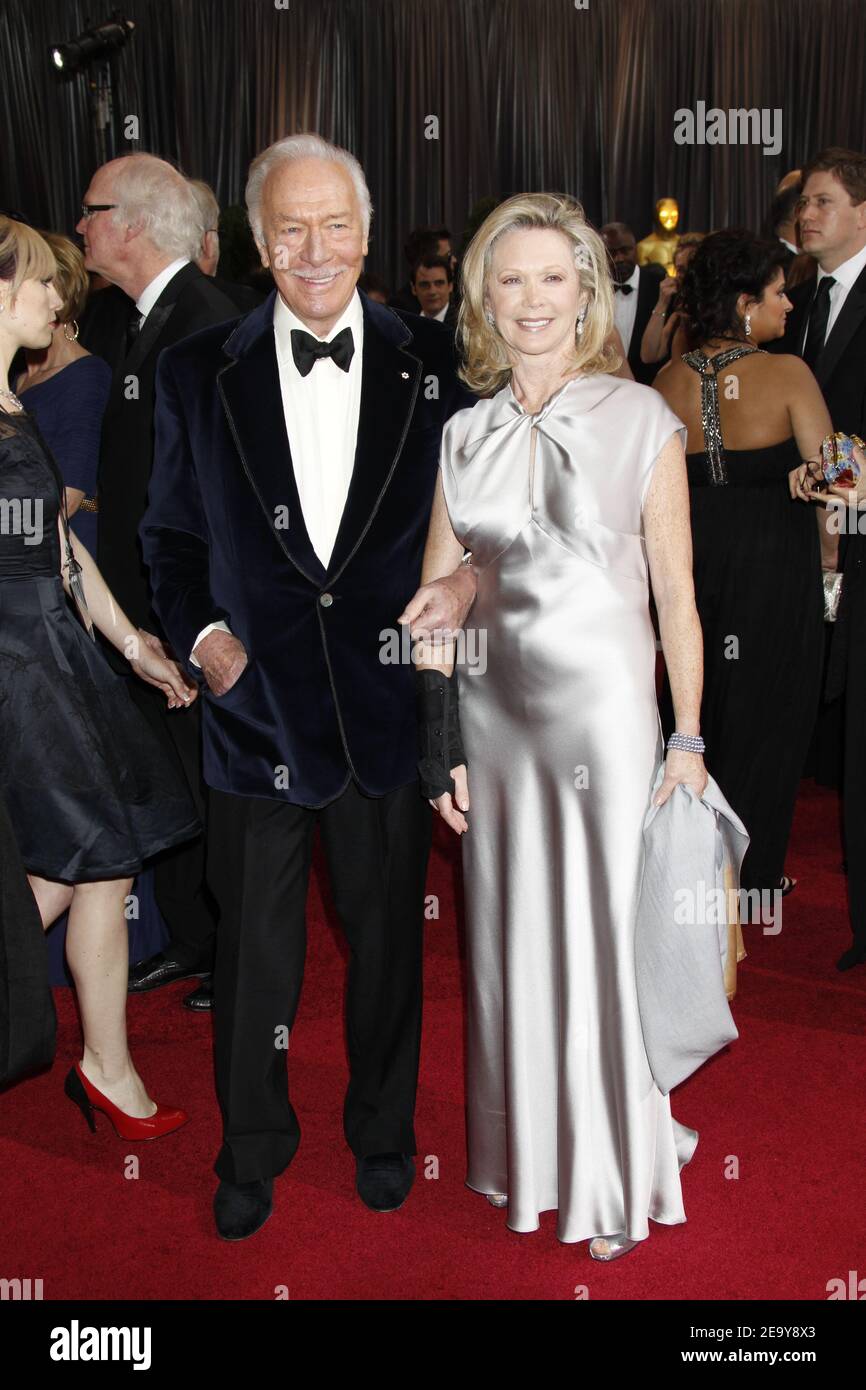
(24, 255)
(486, 366)
(71, 280)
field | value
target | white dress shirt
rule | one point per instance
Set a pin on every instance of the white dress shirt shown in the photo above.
(625, 308)
(440, 316)
(845, 276)
(321, 412)
(150, 294)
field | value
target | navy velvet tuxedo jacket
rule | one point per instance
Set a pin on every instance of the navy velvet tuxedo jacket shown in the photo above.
(224, 537)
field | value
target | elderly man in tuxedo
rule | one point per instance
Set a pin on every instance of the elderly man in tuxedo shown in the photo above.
(296, 458)
(141, 227)
(827, 327)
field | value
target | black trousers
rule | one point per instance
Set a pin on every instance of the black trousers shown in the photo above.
(854, 775)
(259, 853)
(179, 881)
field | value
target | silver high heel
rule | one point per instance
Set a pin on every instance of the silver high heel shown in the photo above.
(497, 1199)
(617, 1245)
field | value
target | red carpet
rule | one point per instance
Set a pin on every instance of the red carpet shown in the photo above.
(786, 1100)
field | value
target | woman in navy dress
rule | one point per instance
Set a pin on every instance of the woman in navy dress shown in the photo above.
(89, 792)
(65, 388)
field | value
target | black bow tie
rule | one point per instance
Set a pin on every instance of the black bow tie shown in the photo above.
(306, 349)
(623, 289)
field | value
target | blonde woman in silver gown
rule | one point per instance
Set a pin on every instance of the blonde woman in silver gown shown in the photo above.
(568, 485)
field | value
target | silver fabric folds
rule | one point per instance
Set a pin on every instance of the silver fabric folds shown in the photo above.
(562, 736)
(693, 850)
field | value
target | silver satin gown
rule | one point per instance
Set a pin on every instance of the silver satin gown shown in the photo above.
(562, 737)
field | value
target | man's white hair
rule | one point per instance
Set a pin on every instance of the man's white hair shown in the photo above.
(307, 146)
(208, 207)
(151, 194)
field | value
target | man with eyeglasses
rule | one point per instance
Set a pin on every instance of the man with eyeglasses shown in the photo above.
(140, 224)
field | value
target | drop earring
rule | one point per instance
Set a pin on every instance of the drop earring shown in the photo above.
(580, 318)
(747, 324)
(489, 317)
(73, 337)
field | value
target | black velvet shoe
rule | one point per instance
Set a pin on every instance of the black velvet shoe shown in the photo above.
(240, 1209)
(383, 1180)
(201, 998)
(855, 955)
(160, 970)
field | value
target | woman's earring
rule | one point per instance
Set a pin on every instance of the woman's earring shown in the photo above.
(747, 324)
(74, 337)
(489, 317)
(580, 318)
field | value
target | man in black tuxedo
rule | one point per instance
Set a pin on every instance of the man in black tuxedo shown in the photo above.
(296, 458)
(636, 292)
(827, 327)
(140, 224)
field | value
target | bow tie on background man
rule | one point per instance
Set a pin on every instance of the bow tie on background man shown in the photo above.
(623, 289)
(306, 349)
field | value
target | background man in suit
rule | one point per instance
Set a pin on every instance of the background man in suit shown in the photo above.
(432, 286)
(244, 297)
(421, 241)
(141, 229)
(295, 463)
(827, 327)
(636, 290)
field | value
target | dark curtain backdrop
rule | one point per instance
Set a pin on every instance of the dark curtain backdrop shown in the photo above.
(528, 94)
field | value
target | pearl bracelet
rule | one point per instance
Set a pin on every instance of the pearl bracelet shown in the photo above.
(687, 743)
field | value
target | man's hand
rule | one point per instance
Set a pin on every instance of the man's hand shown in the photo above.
(441, 607)
(222, 658)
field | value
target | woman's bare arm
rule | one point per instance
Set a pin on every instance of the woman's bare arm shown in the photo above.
(443, 554)
(142, 651)
(668, 534)
(74, 499)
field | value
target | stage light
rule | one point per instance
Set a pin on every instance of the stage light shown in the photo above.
(92, 46)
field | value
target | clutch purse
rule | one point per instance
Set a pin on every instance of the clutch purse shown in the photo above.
(837, 458)
(832, 582)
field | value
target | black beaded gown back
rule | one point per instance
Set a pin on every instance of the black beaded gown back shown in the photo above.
(90, 793)
(757, 571)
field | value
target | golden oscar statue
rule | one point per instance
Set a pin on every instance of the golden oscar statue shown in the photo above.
(660, 246)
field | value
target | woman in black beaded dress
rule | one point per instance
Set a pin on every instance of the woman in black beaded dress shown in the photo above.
(754, 418)
(89, 792)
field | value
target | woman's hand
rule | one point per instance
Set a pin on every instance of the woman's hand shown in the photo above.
(667, 289)
(687, 768)
(450, 808)
(152, 665)
(801, 480)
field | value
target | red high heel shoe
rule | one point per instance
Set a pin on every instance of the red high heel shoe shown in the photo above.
(85, 1095)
